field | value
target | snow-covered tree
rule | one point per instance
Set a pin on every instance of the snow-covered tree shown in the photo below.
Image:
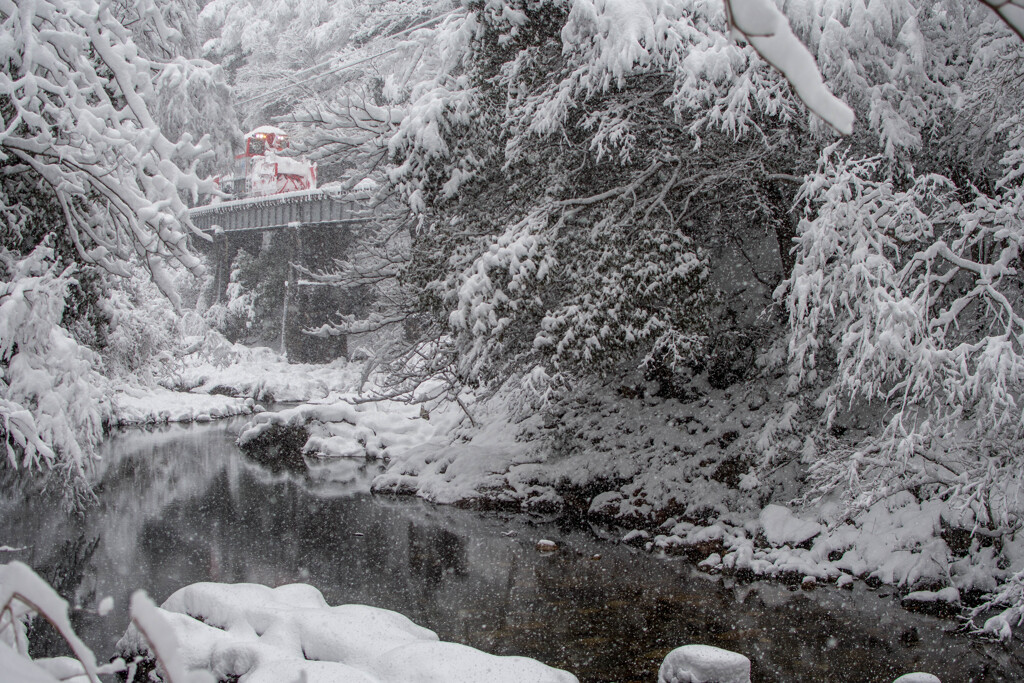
(905, 300)
(142, 329)
(190, 95)
(915, 292)
(341, 91)
(77, 128)
(574, 160)
(87, 177)
(236, 316)
(916, 314)
(281, 54)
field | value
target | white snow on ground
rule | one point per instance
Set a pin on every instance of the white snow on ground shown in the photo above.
(704, 664)
(267, 635)
(488, 464)
(215, 379)
(154, 405)
(262, 374)
(428, 454)
(897, 541)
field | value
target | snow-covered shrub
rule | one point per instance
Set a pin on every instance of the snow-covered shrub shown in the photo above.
(1008, 603)
(25, 595)
(143, 328)
(235, 317)
(50, 394)
(240, 303)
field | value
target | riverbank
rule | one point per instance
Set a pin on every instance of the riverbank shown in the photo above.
(720, 477)
(713, 479)
(180, 504)
(215, 379)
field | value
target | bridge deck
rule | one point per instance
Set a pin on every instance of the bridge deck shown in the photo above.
(306, 207)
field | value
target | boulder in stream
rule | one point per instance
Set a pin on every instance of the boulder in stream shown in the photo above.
(704, 664)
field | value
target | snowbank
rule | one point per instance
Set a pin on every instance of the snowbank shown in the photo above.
(265, 376)
(687, 473)
(136, 405)
(273, 634)
(214, 378)
(427, 452)
(487, 467)
(627, 461)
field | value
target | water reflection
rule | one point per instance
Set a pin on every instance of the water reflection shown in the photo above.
(65, 570)
(181, 505)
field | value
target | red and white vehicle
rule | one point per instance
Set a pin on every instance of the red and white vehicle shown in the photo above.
(261, 170)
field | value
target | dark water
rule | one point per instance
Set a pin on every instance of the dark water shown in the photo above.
(182, 505)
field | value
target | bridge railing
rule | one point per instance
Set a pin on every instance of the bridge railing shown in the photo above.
(306, 207)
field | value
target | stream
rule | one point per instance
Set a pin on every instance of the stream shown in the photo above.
(181, 504)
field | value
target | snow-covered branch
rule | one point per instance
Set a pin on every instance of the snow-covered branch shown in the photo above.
(77, 117)
(761, 24)
(915, 297)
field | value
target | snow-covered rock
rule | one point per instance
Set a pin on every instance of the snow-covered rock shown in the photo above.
(781, 527)
(948, 595)
(704, 664)
(941, 603)
(917, 677)
(338, 427)
(267, 635)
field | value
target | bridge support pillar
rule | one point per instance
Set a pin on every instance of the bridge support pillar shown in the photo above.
(291, 287)
(223, 273)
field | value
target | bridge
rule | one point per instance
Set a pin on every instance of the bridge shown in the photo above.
(275, 212)
(308, 228)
